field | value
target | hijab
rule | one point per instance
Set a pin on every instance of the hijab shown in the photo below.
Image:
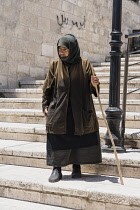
(69, 41)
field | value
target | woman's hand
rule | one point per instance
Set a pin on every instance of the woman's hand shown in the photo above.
(45, 111)
(94, 81)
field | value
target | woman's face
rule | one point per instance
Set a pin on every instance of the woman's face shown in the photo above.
(63, 51)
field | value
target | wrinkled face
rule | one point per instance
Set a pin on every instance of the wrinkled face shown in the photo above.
(63, 51)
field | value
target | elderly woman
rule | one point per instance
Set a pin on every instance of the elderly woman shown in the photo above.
(71, 122)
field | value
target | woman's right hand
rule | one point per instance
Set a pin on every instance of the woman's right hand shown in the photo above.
(45, 111)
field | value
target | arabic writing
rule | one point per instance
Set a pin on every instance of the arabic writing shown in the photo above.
(65, 21)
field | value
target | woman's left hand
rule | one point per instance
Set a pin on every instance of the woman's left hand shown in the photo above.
(94, 81)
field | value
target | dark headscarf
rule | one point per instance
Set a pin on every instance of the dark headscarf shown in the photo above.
(69, 41)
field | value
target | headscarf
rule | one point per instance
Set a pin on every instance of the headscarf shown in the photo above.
(69, 41)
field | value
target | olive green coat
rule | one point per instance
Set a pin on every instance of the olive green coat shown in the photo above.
(59, 85)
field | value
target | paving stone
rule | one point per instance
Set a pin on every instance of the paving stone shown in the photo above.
(34, 154)
(26, 181)
(12, 204)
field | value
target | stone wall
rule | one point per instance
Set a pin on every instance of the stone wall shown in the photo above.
(29, 30)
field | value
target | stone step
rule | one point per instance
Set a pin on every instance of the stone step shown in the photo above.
(107, 68)
(33, 154)
(131, 62)
(104, 83)
(35, 103)
(132, 119)
(21, 103)
(100, 191)
(101, 74)
(23, 131)
(31, 84)
(22, 93)
(132, 105)
(36, 116)
(37, 132)
(13, 204)
(37, 93)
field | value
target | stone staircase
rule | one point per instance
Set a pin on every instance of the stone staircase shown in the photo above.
(24, 174)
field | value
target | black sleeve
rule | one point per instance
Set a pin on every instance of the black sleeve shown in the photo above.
(48, 88)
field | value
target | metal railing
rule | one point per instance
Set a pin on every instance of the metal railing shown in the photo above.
(127, 53)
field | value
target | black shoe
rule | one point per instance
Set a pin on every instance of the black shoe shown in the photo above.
(56, 175)
(76, 173)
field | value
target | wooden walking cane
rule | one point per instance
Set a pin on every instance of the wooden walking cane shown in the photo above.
(110, 135)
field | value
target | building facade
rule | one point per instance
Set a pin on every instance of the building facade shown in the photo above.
(29, 30)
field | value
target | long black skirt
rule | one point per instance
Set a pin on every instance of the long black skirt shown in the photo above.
(66, 149)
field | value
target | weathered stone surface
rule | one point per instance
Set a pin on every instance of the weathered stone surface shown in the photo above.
(43, 24)
(47, 50)
(26, 25)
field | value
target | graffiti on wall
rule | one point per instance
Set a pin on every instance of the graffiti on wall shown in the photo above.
(62, 20)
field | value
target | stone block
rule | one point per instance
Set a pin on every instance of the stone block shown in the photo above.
(51, 38)
(56, 4)
(50, 199)
(11, 16)
(54, 27)
(14, 56)
(23, 70)
(110, 206)
(32, 8)
(79, 11)
(28, 19)
(3, 81)
(37, 73)
(47, 50)
(3, 191)
(32, 48)
(35, 35)
(72, 202)
(3, 56)
(28, 58)
(42, 61)
(68, 7)
(16, 44)
(43, 24)
(81, 3)
(2, 29)
(50, 13)
(4, 68)
(5, 42)
(13, 67)
(73, 1)
(23, 194)
(12, 81)
(21, 32)
(90, 205)
(44, 2)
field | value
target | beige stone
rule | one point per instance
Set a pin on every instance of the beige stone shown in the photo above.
(28, 58)
(56, 4)
(43, 24)
(47, 50)
(5, 42)
(71, 202)
(37, 72)
(42, 61)
(90, 205)
(68, 7)
(32, 7)
(51, 199)
(14, 56)
(23, 195)
(32, 48)
(3, 191)
(28, 19)
(44, 2)
(35, 35)
(3, 55)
